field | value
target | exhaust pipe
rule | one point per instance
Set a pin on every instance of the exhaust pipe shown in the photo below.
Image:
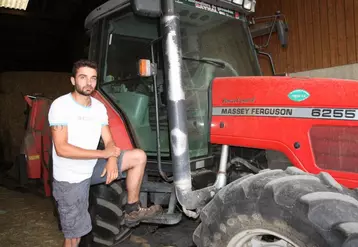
(177, 117)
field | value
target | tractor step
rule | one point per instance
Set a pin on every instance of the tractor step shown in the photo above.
(148, 186)
(165, 219)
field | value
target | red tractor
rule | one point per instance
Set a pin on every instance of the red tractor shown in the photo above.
(262, 161)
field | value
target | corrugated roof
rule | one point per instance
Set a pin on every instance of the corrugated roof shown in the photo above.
(14, 4)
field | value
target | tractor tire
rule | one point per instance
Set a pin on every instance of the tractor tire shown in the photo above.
(303, 209)
(106, 210)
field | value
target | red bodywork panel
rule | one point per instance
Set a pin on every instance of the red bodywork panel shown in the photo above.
(118, 129)
(319, 133)
(37, 140)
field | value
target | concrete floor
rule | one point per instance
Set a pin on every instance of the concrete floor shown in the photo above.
(27, 220)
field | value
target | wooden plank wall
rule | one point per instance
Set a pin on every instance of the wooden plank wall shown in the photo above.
(322, 33)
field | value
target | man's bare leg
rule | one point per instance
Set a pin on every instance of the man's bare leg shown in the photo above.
(71, 242)
(134, 162)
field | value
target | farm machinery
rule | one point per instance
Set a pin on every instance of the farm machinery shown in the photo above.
(32, 168)
(259, 160)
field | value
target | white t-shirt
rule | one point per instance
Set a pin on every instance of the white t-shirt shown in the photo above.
(84, 126)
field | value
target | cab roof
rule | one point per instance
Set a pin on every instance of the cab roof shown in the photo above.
(104, 10)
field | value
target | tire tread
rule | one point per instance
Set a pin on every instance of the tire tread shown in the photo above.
(106, 202)
(297, 194)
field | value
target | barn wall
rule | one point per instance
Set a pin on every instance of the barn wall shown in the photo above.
(12, 105)
(348, 71)
(323, 33)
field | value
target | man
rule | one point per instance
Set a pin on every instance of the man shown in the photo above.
(77, 122)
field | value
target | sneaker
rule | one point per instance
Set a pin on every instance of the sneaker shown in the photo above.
(135, 217)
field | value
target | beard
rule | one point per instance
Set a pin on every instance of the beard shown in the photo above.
(85, 91)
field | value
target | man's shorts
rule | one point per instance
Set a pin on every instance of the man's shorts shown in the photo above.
(72, 201)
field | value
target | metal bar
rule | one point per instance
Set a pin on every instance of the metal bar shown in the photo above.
(261, 30)
(172, 202)
(221, 178)
(168, 7)
(177, 114)
(157, 129)
(271, 61)
(176, 96)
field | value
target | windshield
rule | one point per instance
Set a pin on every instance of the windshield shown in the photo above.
(213, 45)
(213, 36)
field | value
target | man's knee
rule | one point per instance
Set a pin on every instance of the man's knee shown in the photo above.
(143, 156)
(139, 156)
(134, 158)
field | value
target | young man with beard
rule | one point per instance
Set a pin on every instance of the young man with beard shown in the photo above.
(77, 122)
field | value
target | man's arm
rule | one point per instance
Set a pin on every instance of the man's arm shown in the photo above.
(58, 119)
(66, 150)
(112, 167)
(106, 133)
(107, 136)
(108, 140)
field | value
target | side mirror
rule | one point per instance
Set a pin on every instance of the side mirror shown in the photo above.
(148, 8)
(278, 24)
(282, 30)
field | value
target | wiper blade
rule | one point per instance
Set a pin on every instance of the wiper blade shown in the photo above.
(212, 62)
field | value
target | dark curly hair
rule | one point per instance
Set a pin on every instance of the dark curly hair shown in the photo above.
(83, 63)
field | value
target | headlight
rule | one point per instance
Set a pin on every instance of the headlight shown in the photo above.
(239, 2)
(248, 5)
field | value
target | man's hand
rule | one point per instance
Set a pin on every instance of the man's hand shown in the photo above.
(111, 169)
(111, 151)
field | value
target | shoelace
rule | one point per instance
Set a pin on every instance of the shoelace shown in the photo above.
(143, 209)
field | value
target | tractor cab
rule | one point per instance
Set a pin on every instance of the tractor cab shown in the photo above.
(214, 42)
(158, 62)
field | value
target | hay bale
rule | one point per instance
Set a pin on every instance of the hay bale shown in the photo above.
(13, 85)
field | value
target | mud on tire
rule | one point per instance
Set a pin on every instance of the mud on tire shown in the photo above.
(106, 204)
(309, 210)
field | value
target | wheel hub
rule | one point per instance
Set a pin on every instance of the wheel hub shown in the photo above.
(260, 238)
